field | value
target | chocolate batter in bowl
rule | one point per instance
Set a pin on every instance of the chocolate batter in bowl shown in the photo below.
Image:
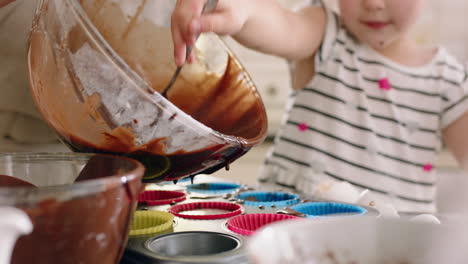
(73, 222)
(97, 68)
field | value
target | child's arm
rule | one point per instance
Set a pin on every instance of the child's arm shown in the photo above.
(263, 25)
(455, 137)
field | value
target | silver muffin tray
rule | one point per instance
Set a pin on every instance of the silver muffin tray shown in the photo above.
(198, 241)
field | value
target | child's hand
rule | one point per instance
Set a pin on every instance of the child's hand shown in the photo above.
(5, 2)
(228, 18)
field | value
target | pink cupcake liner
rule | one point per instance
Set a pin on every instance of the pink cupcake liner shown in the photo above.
(248, 224)
(231, 208)
(159, 197)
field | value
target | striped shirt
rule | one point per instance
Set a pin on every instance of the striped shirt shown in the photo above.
(369, 121)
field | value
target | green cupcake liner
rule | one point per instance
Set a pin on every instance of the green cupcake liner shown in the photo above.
(148, 223)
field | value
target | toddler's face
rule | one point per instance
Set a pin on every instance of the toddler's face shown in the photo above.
(380, 23)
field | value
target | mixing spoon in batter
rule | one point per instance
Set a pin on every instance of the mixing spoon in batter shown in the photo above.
(209, 6)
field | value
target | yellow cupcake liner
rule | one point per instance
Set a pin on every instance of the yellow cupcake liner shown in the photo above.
(153, 175)
(147, 223)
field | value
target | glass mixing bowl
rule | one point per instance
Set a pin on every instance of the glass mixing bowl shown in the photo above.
(73, 222)
(97, 67)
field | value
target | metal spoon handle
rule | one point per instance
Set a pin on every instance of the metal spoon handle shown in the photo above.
(209, 6)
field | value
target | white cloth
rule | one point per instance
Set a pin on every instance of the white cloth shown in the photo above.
(369, 121)
(21, 127)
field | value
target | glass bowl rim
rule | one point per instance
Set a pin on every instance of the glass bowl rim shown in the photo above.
(74, 190)
(140, 84)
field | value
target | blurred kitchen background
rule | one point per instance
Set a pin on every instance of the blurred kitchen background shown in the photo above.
(442, 22)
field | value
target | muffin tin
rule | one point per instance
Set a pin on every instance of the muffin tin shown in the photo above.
(194, 247)
(223, 222)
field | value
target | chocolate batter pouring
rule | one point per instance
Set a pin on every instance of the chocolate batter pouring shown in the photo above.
(98, 103)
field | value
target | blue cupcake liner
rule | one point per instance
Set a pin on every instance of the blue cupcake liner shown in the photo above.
(268, 199)
(213, 187)
(329, 209)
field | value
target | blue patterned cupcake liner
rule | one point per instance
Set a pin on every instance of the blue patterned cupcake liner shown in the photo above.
(329, 209)
(268, 199)
(213, 188)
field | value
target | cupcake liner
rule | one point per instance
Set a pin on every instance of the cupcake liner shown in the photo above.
(329, 209)
(248, 224)
(213, 188)
(231, 209)
(149, 223)
(158, 197)
(268, 199)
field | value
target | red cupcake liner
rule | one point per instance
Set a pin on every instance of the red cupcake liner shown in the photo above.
(158, 197)
(232, 208)
(248, 224)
